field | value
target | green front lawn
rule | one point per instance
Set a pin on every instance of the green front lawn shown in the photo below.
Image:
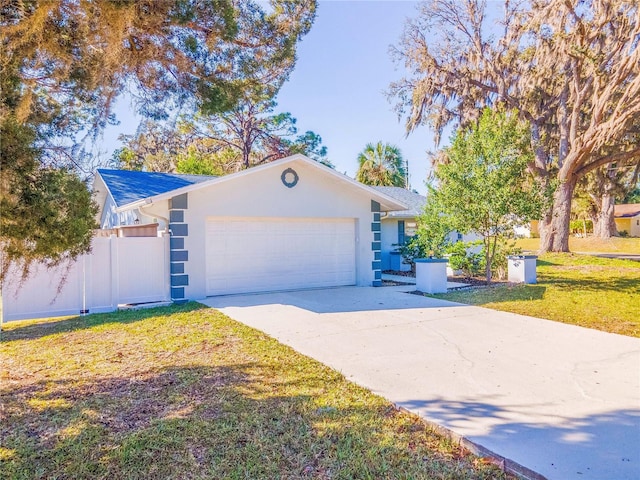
(581, 290)
(186, 392)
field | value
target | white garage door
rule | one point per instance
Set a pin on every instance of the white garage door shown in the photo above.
(268, 254)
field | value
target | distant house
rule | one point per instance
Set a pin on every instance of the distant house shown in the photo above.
(627, 218)
(398, 226)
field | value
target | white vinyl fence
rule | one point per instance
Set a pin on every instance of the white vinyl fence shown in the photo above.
(117, 271)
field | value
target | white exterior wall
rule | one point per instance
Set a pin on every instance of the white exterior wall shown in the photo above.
(262, 194)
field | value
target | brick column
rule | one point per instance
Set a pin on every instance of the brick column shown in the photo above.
(376, 245)
(179, 255)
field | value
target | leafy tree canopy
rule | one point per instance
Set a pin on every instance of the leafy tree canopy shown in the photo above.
(481, 182)
(571, 70)
(249, 135)
(64, 62)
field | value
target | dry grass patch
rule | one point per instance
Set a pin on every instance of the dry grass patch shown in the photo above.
(590, 244)
(185, 392)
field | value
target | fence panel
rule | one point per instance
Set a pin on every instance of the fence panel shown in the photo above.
(117, 271)
(142, 269)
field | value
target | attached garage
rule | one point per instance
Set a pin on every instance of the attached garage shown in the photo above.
(246, 255)
(290, 224)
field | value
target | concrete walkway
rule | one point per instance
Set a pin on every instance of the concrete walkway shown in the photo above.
(563, 401)
(412, 281)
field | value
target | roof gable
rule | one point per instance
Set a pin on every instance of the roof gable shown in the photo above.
(168, 184)
(128, 186)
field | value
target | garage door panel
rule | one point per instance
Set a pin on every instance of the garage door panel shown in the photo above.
(258, 254)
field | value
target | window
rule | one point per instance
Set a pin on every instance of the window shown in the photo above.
(410, 229)
(401, 236)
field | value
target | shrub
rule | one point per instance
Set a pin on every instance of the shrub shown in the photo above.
(578, 226)
(463, 257)
(413, 248)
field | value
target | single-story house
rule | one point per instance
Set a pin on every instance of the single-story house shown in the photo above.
(293, 223)
(627, 218)
(399, 226)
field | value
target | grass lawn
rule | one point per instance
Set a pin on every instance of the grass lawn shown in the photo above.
(589, 244)
(581, 290)
(186, 392)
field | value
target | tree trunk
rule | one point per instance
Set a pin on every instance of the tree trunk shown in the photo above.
(604, 225)
(554, 227)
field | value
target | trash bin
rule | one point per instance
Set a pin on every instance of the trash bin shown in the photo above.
(431, 275)
(522, 268)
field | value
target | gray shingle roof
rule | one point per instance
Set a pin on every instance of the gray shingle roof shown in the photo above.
(413, 200)
(127, 186)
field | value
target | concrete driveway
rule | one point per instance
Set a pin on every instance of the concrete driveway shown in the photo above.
(560, 400)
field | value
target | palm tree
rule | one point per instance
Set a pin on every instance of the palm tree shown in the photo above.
(381, 164)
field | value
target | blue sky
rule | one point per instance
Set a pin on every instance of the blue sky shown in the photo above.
(337, 88)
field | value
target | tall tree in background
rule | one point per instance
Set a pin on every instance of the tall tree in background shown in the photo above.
(381, 164)
(481, 182)
(602, 189)
(256, 133)
(64, 62)
(249, 135)
(570, 69)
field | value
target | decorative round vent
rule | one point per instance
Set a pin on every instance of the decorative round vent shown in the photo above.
(289, 177)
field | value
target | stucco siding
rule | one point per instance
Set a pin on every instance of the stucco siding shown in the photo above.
(263, 194)
(630, 225)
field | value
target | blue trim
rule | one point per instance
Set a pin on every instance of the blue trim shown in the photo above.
(179, 255)
(176, 243)
(179, 202)
(375, 227)
(177, 268)
(375, 206)
(177, 293)
(179, 280)
(376, 283)
(377, 236)
(401, 235)
(377, 255)
(179, 229)
(377, 275)
(376, 246)
(376, 265)
(176, 216)
(376, 216)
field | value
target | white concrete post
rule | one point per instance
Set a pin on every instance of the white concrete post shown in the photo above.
(431, 275)
(522, 268)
